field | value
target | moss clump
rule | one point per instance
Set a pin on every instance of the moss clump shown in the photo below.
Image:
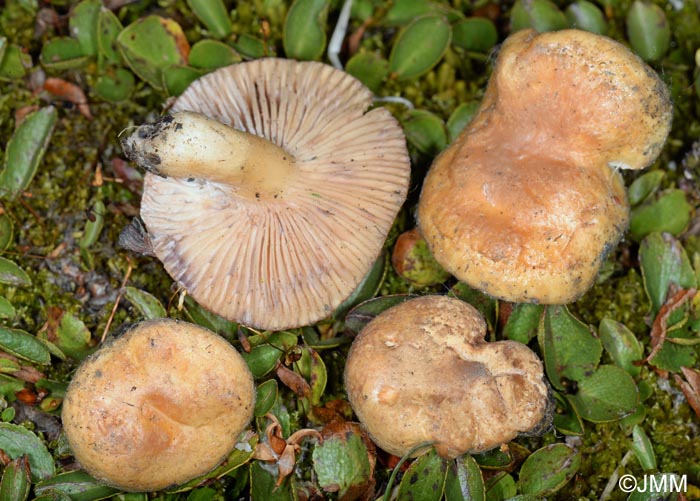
(619, 298)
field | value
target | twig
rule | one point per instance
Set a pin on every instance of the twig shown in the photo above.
(116, 302)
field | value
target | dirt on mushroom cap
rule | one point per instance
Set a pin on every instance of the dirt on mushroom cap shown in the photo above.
(161, 404)
(527, 202)
(422, 372)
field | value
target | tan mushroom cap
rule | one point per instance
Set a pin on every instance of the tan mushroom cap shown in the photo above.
(526, 203)
(283, 259)
(422, 372)
(160, 405)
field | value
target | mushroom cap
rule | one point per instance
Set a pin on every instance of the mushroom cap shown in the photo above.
(527, 202)
(286, 262)
(158, 406)
(422, 372)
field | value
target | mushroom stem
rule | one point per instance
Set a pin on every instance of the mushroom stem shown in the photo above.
(192, 146)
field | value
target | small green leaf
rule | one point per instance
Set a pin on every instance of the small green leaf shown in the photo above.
(213, 14)
(9, 386)
(664, 262)
(305, 29)
(207, 319)
(77, 484)
(460, 118)
(500, 487)
(93, 226)
(202, 494)
(674, 355)
(265, 397)
(83, 23)
(367, 288)
(585, 15)
(73, 337)
(147, 304)
(540, 15)
(370, 68)
(6, 308)
(53, 495)
(115, 84)
(25, 150)
(312, 368)
(152, 44)
(11, 274)
(177, 78)
(547, 470)
(464, 481)
(3, 47)
(425, 131)
(250, 46)
(341, 464)
(608, 394)
(420, 46)
(622, 345)
(523, 322)
(425, 478)
(495, 459)
(108, 28)
(414, 263)
(23, 345)
(62, 53)
(641, 445)
(263, 488)
(267, 351)
(648, 30)
(16, 441)
(210, 54)
(241, 454)
(404, 11)
(669, 213)
(645, 185)
(16, 480)
(567, 420)
(570, 350)
(6, 232)
(14, 63)
(476, 34)
(363, 313)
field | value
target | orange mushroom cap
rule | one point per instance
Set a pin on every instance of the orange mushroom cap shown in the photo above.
(527, 202)
(158, 406)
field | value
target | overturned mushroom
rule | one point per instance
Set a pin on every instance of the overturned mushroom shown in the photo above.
(422, 372)
(270, 191)
(160, 405)
(526, 203)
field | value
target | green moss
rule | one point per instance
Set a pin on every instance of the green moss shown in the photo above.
(620, 298)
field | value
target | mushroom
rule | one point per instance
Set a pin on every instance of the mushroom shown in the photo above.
(422, 372)
(158, 406)
(528, 200)
(270, 191)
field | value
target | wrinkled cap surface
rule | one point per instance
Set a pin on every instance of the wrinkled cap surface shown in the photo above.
(160, 405)
(528, 201)
(290, 260)
(422, 372)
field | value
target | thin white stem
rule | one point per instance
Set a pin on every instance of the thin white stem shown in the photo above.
(394, 99)
(341, 29)
(615, 477)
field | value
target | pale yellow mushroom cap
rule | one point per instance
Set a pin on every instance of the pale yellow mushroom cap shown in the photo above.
(422, 372)
(158, 406)
(527, 202)
(288, 256)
